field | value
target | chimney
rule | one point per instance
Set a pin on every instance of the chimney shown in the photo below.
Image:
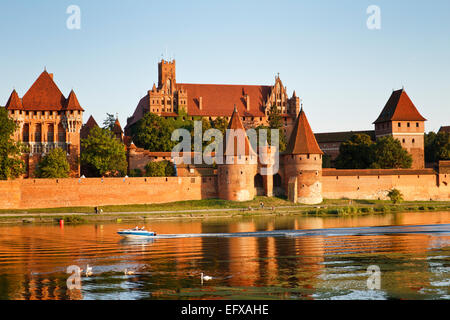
(247, 102)
(200, 103)
(51, 75)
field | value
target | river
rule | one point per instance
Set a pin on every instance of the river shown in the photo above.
(413, 262)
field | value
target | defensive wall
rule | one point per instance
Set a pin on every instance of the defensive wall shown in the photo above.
(423, 184)
(52, 193)
(415, 185)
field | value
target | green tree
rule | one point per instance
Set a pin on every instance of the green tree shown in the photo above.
(159, 169)
(275, 119)
(109, 122)
(11, 164)
(103, 154)
(389, 154)
(395, 195)
(437, 146)
(282, 137)
(326, 161)
(154, 133)
(54, 165)
(356, 153)
(220, 124)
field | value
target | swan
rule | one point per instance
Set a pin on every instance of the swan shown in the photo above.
(88, 271)
(128, 272)
(205, 278)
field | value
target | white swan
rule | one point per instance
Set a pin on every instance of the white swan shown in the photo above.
(205, 278)
(88, 271)
(128, 272)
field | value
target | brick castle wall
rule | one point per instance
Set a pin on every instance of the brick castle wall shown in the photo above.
(422, 184)
(415, 185)
(52, 193)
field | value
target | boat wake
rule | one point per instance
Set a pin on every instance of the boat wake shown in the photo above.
(443, 229)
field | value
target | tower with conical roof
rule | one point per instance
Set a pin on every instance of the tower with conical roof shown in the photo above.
(401, 120)
(303, 164)
(238, 167)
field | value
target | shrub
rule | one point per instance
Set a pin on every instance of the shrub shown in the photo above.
(159, 169)
(54, 165)
(136, 173)
(395, 195)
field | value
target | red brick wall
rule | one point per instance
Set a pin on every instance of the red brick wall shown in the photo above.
(375, 184)
(49, 193)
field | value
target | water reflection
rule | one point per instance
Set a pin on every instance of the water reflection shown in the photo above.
(34, 259)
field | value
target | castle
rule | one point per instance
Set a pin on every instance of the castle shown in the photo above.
(47, 120)
(170, 99)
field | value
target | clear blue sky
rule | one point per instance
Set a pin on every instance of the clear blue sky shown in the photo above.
(343, 71)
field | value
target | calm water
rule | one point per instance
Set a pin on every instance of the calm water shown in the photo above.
(34, 259)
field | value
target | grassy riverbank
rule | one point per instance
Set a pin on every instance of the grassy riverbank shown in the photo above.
(217, 208)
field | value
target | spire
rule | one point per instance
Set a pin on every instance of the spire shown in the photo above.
(302, 140)
(239, 134)
(72, 102)
(14, 102)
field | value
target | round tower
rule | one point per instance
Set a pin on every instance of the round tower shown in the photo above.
(303, 164)
(239, 166)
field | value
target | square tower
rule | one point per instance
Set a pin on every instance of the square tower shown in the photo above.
(401, 119)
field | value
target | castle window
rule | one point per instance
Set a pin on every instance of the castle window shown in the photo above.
(417, 124)
(413, 140)
(307, 156)
(399, 124)
(403, 140)
(408, 125)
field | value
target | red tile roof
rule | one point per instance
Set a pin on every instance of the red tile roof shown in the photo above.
(44, 95)
(302, 140)
(239, 130)
(72, 102)
(14, 102)
(86, 128)
(399, 108)
(117, 128)
(218, 99)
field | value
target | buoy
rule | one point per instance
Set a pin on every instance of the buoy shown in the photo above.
(61, 223)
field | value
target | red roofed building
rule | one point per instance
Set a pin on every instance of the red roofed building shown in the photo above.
(211, 101)
(401, 119)
(47, 120)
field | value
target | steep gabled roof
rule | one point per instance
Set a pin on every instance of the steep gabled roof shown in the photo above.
(117, 128)
(399, 108)
(72, 102)
(232, 148)
(302, 140)
(86, 128)
(14, 102)
(444, 129)
(44, 94)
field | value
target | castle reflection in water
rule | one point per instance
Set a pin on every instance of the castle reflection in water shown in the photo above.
(33, 259)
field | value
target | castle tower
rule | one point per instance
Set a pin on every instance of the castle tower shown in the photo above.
(303, 164)
(239, 166)
(47, 120)
(166, 76)
(401, 120)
